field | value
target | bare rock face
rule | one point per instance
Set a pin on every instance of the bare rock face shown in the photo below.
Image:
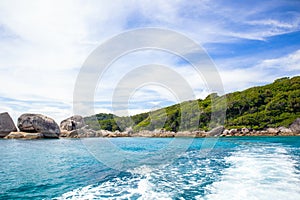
(295, 126)
(245, 130)
(72, 123)
(215, 132)
(75, 127)
(86, 132)
(6, 124)
(232, 132)
(199, 133)
(37, 123)
(69, 134)
(129, 130)
(272, 131)
(24, 135)
(185, 134)
(285, 130)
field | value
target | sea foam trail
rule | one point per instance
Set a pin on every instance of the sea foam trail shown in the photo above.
(258, 173)
(251, 171)
(136, 187)
(180, 180)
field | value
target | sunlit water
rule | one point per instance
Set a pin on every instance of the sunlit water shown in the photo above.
(236, 168)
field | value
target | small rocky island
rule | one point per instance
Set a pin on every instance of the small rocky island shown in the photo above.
(37, 126)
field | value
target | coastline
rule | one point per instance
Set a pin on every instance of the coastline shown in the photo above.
(80, 134)
(219, 131)
(184, 134)
(37, 126)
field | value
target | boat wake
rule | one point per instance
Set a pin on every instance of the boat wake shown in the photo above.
(256, 173)
(250, 172)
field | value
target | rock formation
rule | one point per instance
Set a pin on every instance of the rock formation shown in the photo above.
(35, 126)
(37, 123)
(72, 123)
(24, 135)
(216, 131)
(295, 126)
(6, 124)
(75, 127)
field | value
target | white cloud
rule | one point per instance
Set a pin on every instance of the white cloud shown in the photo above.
(275, 23)
(16, 107)
(289, 62)
(265, 71)
(44, 43)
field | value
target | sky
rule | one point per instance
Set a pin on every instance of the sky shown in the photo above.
(43, 45)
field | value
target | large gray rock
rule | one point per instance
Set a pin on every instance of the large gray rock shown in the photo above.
(37, 123)
(215, 132)
(295, 126)
(75, 127)
(72, 123)
(284, 130)
(6, 124)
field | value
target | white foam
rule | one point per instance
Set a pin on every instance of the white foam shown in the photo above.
(144, 187)
(258, 173)
(121, 188)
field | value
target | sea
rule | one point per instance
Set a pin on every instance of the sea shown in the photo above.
(255, 168)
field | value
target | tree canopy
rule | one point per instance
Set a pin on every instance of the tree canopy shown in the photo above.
(272, 105)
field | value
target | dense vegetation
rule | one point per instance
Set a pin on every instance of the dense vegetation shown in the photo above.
(273, 105)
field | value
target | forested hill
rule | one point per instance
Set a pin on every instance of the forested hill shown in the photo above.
(272, 105)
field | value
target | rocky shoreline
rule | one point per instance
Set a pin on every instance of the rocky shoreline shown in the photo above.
(37, 126)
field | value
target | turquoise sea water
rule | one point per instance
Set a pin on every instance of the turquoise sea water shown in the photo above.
(236, 168)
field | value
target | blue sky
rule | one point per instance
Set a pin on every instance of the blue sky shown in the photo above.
(43, 44)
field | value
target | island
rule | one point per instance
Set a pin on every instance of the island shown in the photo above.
(269, 110)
